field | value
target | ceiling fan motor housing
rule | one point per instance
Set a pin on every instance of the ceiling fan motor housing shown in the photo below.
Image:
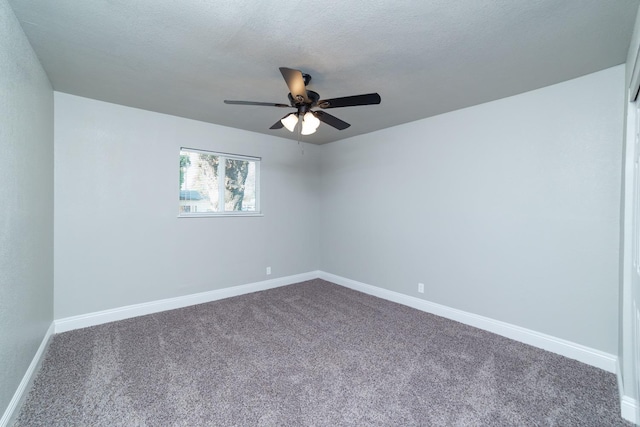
(313, 97)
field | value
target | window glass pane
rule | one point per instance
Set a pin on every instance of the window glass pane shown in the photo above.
(240, 185)
(198, 182)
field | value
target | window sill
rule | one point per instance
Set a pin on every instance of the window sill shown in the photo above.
(220, 215)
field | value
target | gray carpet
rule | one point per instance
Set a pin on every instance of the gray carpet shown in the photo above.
(309, 354)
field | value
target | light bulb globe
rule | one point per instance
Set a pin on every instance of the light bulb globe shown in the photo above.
(290, 122)
(311, 120)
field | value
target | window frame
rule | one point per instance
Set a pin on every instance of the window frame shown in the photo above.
(221, 185)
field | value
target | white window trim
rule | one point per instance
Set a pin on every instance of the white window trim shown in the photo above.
(221, 189)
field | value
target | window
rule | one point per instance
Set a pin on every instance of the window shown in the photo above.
(218, 184)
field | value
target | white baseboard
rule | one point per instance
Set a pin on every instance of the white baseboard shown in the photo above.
(579, 352)
(628, 405)
(129, 311)
(27, 379)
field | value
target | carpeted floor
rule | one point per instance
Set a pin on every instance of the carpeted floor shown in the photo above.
(313, 353)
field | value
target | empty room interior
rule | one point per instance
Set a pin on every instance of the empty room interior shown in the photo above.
(319, 213)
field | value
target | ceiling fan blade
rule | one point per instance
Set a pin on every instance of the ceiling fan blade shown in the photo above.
(350, 101)
(296, 85)
(278, 124)
(265, 104)
(331, 120)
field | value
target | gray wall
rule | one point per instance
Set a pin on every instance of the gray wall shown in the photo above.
(118, 239)
(26, 216)
(509, 209)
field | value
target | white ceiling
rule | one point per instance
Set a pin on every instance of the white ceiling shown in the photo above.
(423, 57)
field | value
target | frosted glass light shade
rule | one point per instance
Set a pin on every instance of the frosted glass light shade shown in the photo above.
(309, 124)
(290, 121)
(310, 119)
(307, 129)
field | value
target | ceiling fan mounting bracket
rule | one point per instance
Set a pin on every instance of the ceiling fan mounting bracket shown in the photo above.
(306, 78)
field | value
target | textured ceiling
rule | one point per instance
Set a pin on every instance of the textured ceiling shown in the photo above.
(423, 57)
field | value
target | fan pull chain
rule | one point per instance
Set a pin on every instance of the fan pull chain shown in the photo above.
(299, 145)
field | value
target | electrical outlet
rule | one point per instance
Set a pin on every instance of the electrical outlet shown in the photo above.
(421, 288)
(268, 271)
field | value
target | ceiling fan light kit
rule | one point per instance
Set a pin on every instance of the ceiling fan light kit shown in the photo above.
(290, 121)
(309, 124)
(304, 100)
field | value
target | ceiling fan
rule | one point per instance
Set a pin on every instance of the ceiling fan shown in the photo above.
(304, 100)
